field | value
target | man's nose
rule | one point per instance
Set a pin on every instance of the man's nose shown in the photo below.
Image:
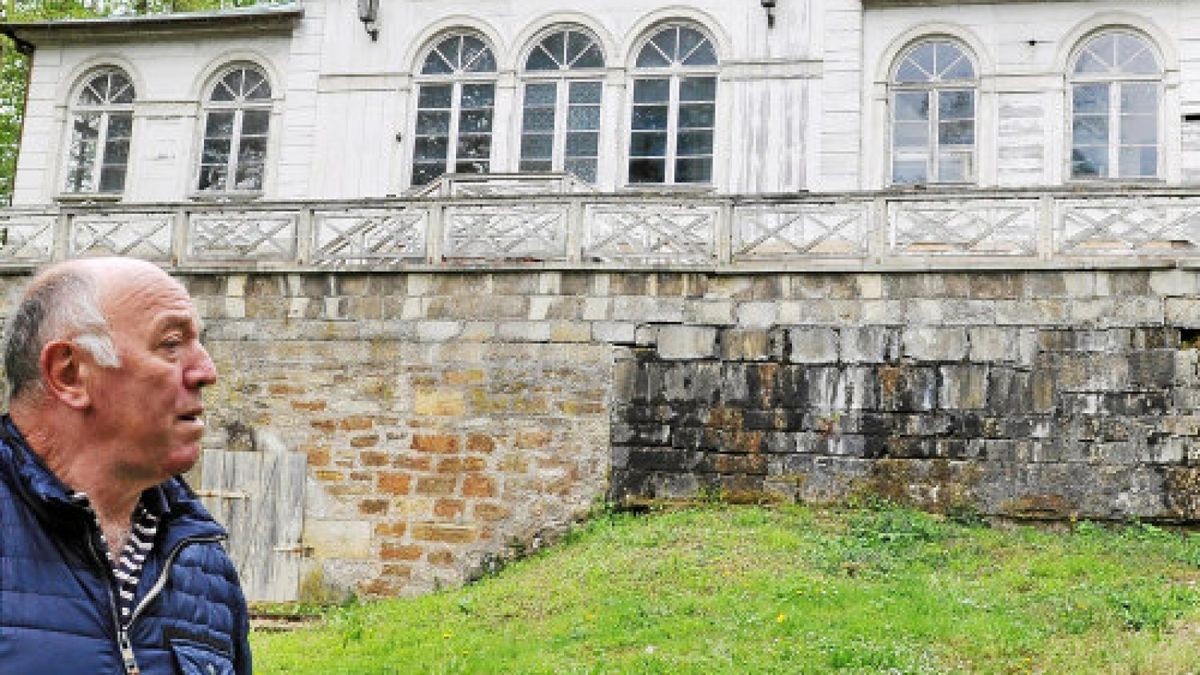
(200, 370)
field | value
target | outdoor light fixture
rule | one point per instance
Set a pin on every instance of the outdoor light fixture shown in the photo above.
(769, 5)
(368, 13)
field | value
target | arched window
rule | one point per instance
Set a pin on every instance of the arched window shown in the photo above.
(933, 115)
(455, 99)
(674, 108)
(237, 120)
(101, 129)
(560, 122)
(1116, 90)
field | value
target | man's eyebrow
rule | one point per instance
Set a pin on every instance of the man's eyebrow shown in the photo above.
(186, 320)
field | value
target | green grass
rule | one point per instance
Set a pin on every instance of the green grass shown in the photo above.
(791, 590)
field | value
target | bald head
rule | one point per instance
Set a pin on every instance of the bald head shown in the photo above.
(67, 301)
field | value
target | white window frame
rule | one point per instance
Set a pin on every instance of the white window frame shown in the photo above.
(675, 73)
(456, 80)
(106, 110)
(563, 79)
(933, 89)
(239, 106)
(1115, 82)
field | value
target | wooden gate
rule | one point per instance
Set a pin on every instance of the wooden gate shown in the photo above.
(259, 497)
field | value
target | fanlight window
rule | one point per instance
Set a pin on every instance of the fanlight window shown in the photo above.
(1116, 94)
(933, 115)
(455, 102)
(101, 130)
(673, 116)
(236, 124)
(560, 122)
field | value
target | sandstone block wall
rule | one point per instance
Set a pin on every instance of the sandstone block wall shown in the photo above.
(452, 418)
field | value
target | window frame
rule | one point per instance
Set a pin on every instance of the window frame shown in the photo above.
(674, 73)
(456, 79)
(106, 110)
(1115, 82)
(564, 78)
(933, 89)
(239, 107)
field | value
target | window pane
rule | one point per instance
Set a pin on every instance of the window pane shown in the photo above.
(1135, 56)
(1090, 130)
(586, 92)
(435, 96)
(541, 94)
(650, 117)
(651, 91)
(910, 134)
(219, 125)
(435, 148)
(474, 147)
(475, 121)
(1139, 97)
(912, 105)
(695, 49)
(424, 174)
(667, 43)
(252, 151)
(478, 95)
(256, 122)
(583, 144)
(433, 122)
(540, 60)
(216, 151)
(535, 165)
(116, 151)
(556, 46)
(694, 143)
(584, 168)
(212, 177)
(954, 167)
(1138, 162)
(693, 170)
(256, 86)
(112, 178)
(918, 66)
(1139, 130)
(701, 116)
(652, 57)
(647, 170)
(249, 177)
(956, 133)
(474, 166)
(952, 62)
(539, 119)
(1089, 162)
(698, 89)
(120, 125)
(537, 146)
(648, 144)
(956, 104)
(908, 172)
(591, 57)
(583, 117)
(1090, 98)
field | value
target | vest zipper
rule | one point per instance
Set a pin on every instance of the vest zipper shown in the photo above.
(128, 658)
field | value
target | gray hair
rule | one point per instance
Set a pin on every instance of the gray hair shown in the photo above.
(65, 305)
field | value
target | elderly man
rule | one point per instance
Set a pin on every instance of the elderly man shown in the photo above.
(108, 563)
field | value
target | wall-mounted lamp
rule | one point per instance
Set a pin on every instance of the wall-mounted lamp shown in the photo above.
(368, 13)
(769, 5)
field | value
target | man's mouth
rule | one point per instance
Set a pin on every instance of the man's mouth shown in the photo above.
(192, 417)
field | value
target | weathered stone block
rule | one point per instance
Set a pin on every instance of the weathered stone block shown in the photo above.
(813, 345)
(745, 345)
(963, 387)
(869, 344)
(757, 314)
(686, 342)
(935, 344)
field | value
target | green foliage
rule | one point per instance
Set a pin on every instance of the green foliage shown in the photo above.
(720, 589)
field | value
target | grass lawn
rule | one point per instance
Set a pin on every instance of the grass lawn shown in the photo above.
(789, 590)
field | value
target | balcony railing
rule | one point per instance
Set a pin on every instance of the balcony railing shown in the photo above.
(462, 224)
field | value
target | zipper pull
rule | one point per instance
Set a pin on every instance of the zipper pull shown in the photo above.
(131, 666)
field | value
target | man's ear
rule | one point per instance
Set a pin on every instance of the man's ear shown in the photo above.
(65, 372)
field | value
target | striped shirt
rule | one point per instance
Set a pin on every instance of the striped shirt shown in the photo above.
(127, 569)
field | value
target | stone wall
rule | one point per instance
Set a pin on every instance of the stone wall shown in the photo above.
(450, 419)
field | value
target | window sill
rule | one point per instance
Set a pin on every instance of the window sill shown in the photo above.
(88, 198)
(226, 197)
(671, 188)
